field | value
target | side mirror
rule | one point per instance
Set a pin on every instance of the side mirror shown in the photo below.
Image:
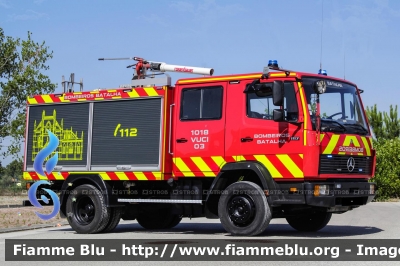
(278, 115)
(277, 93)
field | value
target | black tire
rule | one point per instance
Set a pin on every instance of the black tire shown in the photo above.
(158, 219)
(310, 222)
(86, 210)
(115, 217)
(243, 209)
(174, 221)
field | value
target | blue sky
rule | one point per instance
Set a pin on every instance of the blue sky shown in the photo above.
(229, 36)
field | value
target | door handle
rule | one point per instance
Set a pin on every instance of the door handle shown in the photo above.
(246, 139)
(181, 140)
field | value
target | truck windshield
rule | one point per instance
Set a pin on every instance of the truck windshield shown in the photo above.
(340, 107)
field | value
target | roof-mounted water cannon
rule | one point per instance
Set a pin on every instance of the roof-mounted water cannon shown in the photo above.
(158, 68)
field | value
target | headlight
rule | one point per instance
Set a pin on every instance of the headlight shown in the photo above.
(321, 190)
(371, 189)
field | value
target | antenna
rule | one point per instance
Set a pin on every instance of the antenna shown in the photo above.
(68, 86)
(322, 27)
(344, 65)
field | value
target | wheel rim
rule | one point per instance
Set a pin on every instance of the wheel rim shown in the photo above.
(84, 210)
(241, 210)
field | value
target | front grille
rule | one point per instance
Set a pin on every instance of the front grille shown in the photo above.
(337, 164)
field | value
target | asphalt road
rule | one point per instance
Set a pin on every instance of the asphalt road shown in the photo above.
(374, 221)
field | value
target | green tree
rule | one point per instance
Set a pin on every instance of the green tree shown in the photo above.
(21, 65)
(385, 125)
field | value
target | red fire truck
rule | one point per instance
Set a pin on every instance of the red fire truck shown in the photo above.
(242, 148)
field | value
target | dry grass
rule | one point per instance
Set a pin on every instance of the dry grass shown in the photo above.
(17, 217)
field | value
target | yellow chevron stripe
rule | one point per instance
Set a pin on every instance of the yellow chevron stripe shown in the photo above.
(58, 176)
(151, 91)
(182, 167)
(140, 176)
(26, 176)
(366, 145)
(219, 160)
(267, 163)
(121, 176)
(199, 162)
(348, 139)
(301, 156)
(63, 100)
(157, 175)
(321, 137)
(32, 101)
(133, 94)
(331, 145)
(47, 99)
(104, 176)
(290, 165)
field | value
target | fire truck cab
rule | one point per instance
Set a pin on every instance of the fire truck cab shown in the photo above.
(242, 148)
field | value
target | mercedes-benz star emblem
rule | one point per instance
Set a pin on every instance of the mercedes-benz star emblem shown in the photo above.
(351, 163)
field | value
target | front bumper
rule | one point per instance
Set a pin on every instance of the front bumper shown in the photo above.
(346, 194)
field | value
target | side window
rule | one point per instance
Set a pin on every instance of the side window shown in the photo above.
(290, 103)
(201, 103)
(260, 104)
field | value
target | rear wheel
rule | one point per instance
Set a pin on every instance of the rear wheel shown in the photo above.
(158, 219)
(243, 209)
(310, 222)
(115, 217)
(86, 210)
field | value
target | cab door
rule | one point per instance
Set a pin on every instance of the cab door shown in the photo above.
(199, 129)
(277, 145)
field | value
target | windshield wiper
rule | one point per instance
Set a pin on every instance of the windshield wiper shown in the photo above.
(358, 126)
(338, 125)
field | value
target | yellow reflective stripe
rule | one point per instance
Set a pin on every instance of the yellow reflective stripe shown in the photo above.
(104, 176)
(116, 97)
(140, 176)
(219, 160)
(348, 139)
(321, 137)
(157, 175)
(305, 113)
(267, 163)
(366, 145)
(32, 101)
(239, 158)
(47, 99)
(198, 161)
(42, 177)
(281, 75)
(26, 176)
(220, 79)
(182, 167)
(82, 100)
(111, 90)
(290, 165)
(133, 94)
(98, 99)
(301, 156)
(331, 145)
(58, 176)
(151, 91)
(121, 176)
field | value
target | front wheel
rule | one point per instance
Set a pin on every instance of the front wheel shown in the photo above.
(86, 210)
(309, 222)
(243, 209)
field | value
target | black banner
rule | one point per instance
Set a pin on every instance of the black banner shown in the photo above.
(243, 249)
